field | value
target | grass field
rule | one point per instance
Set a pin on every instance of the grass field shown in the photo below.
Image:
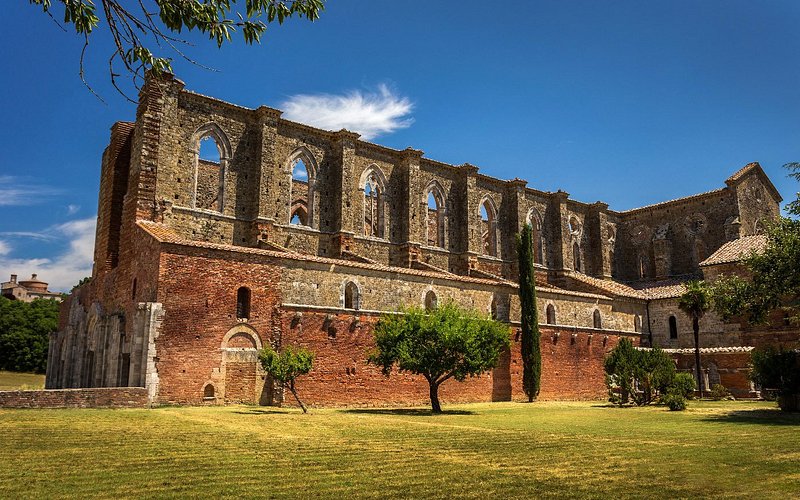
(500, 450)
(12, 380)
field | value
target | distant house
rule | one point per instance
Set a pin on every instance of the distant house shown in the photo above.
(27, 290)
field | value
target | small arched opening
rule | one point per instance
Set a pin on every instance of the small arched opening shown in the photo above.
(576, 257)
(673, 327)
(431, 301)
(551, 314)
(597, 321)
(351, 296)
(208, 392)
(243, 303)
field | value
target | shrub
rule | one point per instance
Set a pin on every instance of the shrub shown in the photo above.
(719, 392)
(638, 376)
(683, 384)
(675, 401)
(778, 371)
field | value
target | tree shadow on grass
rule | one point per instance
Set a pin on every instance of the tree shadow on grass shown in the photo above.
(413, 412)
(762, 417)
(261, 411)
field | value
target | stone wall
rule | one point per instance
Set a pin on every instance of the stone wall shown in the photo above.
(116, 397)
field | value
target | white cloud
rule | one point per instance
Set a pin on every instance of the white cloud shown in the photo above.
(64, 270)
(5, 249)
(72, 209)
(368, 113)
(13, 192)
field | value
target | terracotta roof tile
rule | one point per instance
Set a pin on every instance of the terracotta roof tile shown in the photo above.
(736, 250)
(605, 286)
(743, 171)
(663, 289)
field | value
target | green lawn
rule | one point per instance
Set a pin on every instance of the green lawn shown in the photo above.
(10, 381)
(499, 450)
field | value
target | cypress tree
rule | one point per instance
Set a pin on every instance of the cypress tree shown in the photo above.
(531, 350)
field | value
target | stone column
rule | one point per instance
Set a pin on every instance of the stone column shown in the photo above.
(598, 246)
(469, 220)
(558, 248)
(345, 186)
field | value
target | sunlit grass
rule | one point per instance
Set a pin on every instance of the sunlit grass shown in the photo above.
(497, 450)
(10, 381)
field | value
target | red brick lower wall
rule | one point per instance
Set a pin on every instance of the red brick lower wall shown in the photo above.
(113, 397)
(572, 366)
(733, 369)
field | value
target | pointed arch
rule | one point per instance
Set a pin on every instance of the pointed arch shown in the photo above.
(435, 205)
(550, 314)
(310, 204)
(487, 211)
(351, 295)
(372, 185)
(534, 218)
(597, 320)
(208, 185)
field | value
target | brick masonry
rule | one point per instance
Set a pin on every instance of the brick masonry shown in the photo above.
(107, 397)
(179, 240)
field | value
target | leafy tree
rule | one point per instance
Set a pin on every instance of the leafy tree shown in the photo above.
(635, 375)
(25, 333)
(794, 171)
(695, 302)
(137, 27)
(447, 342)
(531, 349)
(774, 281)
(286, 366)
(778, 370)
(81, 282)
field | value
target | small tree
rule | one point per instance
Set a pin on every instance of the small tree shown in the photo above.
(778, 370)
(286, 366)
(447, 342)
(531, 349)
(695, 301)
(638, 375)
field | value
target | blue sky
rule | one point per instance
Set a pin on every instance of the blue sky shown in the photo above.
(626, 102)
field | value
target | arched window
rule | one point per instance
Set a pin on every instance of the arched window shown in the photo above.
(431, 302)
(302, 170)
(374, 189)
(208, 391)
(352, 300)
(211, 151)
(551, 314)
(488, 215)
(637, 323)
(133, 290)
(243, 303)
(597, 321)
(673, 327)
(642, 266)
(435, 215)
(576, 257)
(493, 308)
(535, 220)
(299, 216)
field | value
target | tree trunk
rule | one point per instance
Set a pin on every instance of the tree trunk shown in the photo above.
(434, 391)
(294, 393)
(696, 328)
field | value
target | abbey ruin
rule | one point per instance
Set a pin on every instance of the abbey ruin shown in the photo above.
(288, 234)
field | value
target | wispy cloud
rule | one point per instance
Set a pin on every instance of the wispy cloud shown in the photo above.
(368, 113)
(46, 235)
(73, 209)
(63, 270)
(16, 192)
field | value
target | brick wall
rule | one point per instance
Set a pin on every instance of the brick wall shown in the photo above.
(111, 397)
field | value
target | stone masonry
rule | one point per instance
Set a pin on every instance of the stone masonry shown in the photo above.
(288, 234)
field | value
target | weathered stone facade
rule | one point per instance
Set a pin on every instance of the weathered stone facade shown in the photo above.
(295, 235)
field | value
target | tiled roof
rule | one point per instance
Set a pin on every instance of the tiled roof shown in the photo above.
(164, 234)
(611, 287)
(743, 171)
(736, 250)
(663, 289)
(669, 202)
(710, 350)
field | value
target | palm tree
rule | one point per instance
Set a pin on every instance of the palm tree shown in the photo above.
(695, 301)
